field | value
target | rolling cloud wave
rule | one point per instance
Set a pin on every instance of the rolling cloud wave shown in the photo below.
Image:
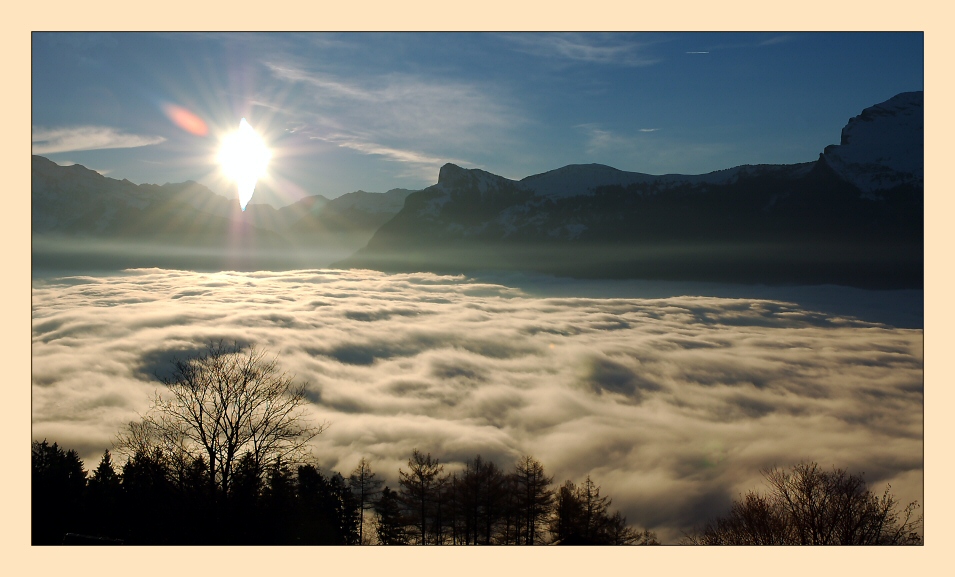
(672, 405)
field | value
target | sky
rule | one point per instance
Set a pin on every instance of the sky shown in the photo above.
(375, 111)
(672, 406)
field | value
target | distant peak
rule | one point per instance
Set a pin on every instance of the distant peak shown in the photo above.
(882, 147)
(450, 172)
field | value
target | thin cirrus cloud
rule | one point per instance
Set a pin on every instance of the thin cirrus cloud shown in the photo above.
(673, 406)
(403, 118)
(771, 41)
(591, 49)
(422, 165)
(776, 40)
(54, 140)
(599, 141)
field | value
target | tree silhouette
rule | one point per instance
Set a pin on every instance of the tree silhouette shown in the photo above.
(278, 503)
(534, 499)
(366, 489)
(103, 498)
(58, 486)
(565, 523)
(809, 506)
(315, 512)
(482, 499)
(581, 517)
(244, 516)
(343, 510)
(221, 404)
(594, 511)
(148, 496)
(419, 492)
(390, 523)
(619, 533)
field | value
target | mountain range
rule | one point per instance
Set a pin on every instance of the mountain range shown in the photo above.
(78, 213)
(854, 216)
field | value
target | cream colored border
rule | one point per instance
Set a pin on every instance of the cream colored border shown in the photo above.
(21, 18)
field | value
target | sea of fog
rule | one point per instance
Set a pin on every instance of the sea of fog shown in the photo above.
(671, 396)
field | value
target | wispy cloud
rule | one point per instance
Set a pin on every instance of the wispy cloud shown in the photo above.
(424, 165)
(404, 118)
(750, 40)
(326, 86)
(53, 140)
(673, 405)
(777, 40)
(590, 48)
(600, 141)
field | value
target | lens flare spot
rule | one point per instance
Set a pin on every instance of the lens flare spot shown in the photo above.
(243, 158)
(185, 119)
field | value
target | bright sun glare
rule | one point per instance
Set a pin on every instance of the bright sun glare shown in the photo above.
(243, 158)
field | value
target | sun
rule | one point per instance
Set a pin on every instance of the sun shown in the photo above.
(244, 157)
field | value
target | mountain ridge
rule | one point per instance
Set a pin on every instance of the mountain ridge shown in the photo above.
(853, 216)
(73, 206)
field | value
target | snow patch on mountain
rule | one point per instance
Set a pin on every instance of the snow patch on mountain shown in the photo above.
(453, 177)
(883, 147)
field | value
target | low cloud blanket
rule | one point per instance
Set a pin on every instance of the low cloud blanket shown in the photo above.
(672, 405)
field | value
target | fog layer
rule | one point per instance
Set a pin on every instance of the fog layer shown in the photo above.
(672, 405)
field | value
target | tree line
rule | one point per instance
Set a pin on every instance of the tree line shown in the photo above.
(220, 459)
(148, 501)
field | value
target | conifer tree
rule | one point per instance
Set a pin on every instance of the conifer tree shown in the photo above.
(148, 499)
(534, 499)
(58, 486)
(103, 499)
(418, 492)
(366, 489)
(390, 523)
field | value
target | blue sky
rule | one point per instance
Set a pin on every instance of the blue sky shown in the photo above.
(350, 111)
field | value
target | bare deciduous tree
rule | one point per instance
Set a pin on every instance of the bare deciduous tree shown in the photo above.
(221, 404)
(809, 506)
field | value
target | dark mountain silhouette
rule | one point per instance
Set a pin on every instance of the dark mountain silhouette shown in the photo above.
(852, 217)
(82, 218)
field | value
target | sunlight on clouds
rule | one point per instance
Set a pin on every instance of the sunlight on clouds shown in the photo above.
(53, 140)
(403, 118)
(673, 405)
